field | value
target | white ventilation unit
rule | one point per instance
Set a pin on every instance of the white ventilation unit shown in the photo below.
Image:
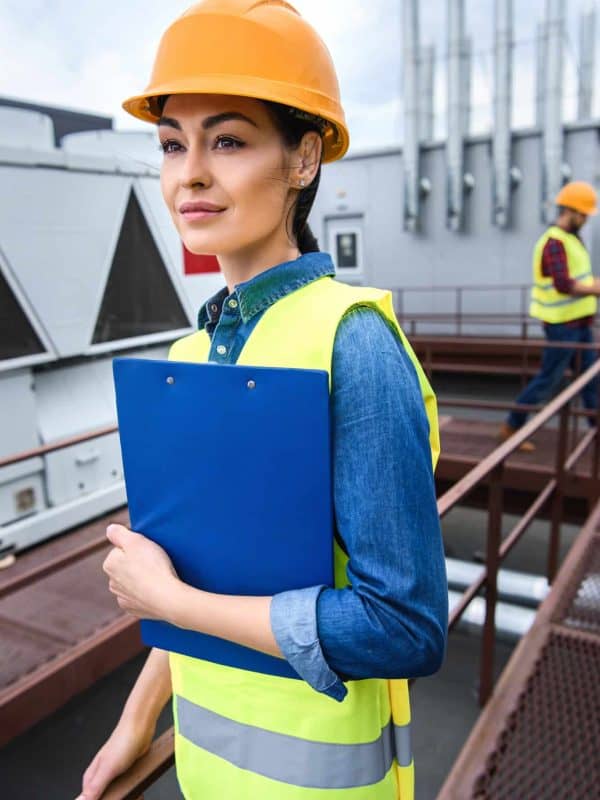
(140, 148)
(22, 128)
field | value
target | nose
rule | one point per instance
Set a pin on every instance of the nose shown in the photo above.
(195, 172)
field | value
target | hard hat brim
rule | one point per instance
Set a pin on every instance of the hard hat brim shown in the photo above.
(592, 213)
(336, 139)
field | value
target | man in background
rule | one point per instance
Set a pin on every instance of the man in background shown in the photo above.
(564, 299)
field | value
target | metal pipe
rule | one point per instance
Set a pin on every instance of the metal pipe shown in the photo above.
(541, 55)
(501, 143)
(467, 76)
(456, 115)
(426, 131)
(552, 172)
(521, 588)
(587, 58)
(412, 111)
(512, 622)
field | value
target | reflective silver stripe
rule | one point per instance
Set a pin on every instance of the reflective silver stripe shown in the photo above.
(403, 745)
(289, 759)
(558, 302)
(546, 287)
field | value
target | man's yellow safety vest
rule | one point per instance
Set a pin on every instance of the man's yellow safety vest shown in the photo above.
(242, 735)
(546, 303)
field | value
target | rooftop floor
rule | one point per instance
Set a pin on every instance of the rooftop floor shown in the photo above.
(48, 760)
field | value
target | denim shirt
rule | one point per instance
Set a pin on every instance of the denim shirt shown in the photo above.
(391, 622)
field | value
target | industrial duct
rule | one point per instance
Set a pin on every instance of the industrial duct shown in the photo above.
(456, 113)
(552, 172)
(587, 47)
(426, 102)
(501, 142)
(541, 50)
(412, 121)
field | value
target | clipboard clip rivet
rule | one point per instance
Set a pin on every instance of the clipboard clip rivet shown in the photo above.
(170, 379)
(251, 385)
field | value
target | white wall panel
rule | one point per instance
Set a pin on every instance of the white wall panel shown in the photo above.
(59, 229)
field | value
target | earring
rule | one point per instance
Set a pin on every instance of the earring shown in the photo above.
(301, 182)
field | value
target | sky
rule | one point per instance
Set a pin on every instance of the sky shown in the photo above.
(90, 55)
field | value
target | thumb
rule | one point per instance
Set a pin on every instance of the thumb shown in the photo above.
(118, 535)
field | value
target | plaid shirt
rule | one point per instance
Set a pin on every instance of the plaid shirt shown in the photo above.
(555, 266)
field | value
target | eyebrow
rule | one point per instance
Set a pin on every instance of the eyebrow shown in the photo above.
(209, 122)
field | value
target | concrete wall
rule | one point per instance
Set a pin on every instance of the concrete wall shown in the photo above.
(369, 188)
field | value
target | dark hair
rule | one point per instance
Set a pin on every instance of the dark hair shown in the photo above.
(292, 124)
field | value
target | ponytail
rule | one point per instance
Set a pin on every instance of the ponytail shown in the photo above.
(307, 242)
(292, 125)
(305, 238)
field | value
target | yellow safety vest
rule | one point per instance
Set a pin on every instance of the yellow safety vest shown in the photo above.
(242, 735)
(546, 303)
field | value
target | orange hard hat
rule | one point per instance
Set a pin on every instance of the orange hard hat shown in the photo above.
(252, 48)
(578, 195)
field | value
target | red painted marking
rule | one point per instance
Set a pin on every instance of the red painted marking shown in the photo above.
(196, 265)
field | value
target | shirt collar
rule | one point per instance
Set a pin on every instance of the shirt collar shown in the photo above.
(264, 289)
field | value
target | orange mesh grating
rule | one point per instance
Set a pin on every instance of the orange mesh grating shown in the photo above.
(583, 612)
(548, 749)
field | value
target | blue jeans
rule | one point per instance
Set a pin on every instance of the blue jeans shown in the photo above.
(555, 361)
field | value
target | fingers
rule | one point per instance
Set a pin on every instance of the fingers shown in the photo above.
(92, 787)
(123, 600)
(111, 561)
(97, 777)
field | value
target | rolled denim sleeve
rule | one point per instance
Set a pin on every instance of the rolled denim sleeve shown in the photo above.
(294, 625)
(391, 621)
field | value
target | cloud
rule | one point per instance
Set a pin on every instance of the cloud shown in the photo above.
(88, 55)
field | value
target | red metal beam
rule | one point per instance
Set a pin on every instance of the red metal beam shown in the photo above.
(45, 690)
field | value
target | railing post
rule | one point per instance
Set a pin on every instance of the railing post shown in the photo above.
(399, 295)
(494, 538)
(575, 426)
(428, 364)
(524, 366)
(596, 454)
(523, 312)
(557, 503)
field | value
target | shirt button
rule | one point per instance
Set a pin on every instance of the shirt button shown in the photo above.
(221, 349)
(214, 308)
(233, 304)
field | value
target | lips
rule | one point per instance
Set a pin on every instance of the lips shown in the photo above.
(200, 208)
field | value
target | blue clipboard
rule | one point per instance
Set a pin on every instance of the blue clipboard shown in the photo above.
(228, 468)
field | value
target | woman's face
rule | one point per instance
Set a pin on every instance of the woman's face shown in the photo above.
(226, 174)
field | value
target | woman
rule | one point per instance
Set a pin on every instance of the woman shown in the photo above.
(247, 105)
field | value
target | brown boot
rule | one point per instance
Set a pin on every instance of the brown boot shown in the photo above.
(506, 431)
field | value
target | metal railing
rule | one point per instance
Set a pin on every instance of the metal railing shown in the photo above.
(491, 470)
(516, 735)
(456, 313)
(492, 355)
(160, 756)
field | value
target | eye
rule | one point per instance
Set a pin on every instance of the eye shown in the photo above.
(227, 143)
(169, 146)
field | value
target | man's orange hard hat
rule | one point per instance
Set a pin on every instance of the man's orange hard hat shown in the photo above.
(578, 195)
(252, 48)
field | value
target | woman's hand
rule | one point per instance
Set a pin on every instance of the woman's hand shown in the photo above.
(141, 574)
(129, 740)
